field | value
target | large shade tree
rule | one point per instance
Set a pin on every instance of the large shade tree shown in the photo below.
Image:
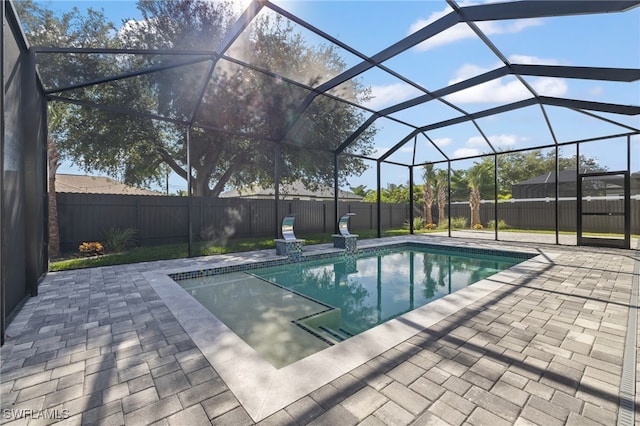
(73, 29)
(242, 116)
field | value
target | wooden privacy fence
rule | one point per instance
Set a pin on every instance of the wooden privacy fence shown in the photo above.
(540, 214)
(163, 220)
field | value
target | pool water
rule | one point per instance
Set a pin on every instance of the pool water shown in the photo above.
(289, 312)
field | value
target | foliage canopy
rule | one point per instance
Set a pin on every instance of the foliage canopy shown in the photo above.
(244, 113)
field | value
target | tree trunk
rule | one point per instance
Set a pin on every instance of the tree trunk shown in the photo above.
(427, 195)
(54, 233)
(474, 204)
(442, 202)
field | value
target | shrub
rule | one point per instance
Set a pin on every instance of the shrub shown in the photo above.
(456, 223)
(501, 224)
(478, 226)
(430, 226)
(417, 223)
(93, 248)
(117, 239)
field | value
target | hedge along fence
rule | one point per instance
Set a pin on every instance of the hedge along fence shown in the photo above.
(163, 219)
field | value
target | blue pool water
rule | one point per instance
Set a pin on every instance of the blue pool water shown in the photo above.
(291, 311)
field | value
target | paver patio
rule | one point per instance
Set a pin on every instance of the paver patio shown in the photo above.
(99, 346)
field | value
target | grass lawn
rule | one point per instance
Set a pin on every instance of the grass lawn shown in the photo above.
(177, 251)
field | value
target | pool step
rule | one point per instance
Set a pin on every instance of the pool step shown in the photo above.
(336, 335)
(346, 332)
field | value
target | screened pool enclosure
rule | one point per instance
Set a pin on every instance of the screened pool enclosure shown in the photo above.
(210, 101)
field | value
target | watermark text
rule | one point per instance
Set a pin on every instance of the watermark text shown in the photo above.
(27, 413)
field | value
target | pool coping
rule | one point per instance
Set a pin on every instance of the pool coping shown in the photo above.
(261, 388)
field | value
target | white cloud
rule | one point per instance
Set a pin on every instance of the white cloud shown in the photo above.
(390, 94)
(532, 60)
(496, 141)
(505, 89)
(502, 90)
(408, 147)
(596, 91)
(477, 142)
(466, 71)
(465, 152)
(505, 140)
(550, 86)
(462, 31)
(442, 141)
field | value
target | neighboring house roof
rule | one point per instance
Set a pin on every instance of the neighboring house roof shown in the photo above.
(296, 190)
(566, 176)
(97, 185)
(545, 185)
(563, 176)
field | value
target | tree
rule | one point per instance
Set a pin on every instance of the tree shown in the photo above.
(252, 111)
(477, 175)
(427, 192)
(441, 183)
(74, 30)
(362, 191)
(515, 167)
(53, 164)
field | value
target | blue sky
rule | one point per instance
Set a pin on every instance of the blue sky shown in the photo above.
(610, 40)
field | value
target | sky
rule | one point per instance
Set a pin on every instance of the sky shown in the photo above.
(456, 54)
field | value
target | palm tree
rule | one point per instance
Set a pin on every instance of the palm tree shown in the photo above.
(427, 193)
(475, 177)
(441, 184)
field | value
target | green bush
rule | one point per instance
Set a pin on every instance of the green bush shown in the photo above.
(501, 224)
(117, 239)
(418, 223)
(456, 223)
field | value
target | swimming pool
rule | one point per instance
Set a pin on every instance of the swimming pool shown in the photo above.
(287, 312)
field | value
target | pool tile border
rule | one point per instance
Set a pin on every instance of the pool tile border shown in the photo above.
(373, 251)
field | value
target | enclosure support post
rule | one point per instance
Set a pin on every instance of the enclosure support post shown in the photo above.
(627, 197)
(449, 197)
(411, 199)
(578, 197)
(2, 263)
(378, 202)
(495, 194)
(557, 207)
(189, 195)
(276, 192)
(335, 193)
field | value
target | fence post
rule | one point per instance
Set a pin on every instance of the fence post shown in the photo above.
(139, 219)
(324, 217)
(370, 216)
(390, 216)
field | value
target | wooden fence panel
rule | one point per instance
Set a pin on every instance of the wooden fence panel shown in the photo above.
(163, 220)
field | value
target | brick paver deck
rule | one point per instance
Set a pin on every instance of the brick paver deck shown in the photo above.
(98, 346)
